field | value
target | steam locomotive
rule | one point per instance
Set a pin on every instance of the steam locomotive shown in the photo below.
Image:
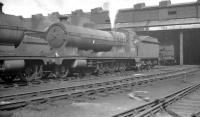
(63, 50)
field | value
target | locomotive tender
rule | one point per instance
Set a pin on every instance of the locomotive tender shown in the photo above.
(64, 50)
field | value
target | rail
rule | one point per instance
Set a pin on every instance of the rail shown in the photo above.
(158, 105)
(196, 114)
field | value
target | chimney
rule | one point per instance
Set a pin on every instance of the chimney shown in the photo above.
(97, 10)
(1, 5)
(165, 3)
(139, 6)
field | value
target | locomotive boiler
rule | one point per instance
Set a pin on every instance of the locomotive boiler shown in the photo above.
(85, 39)
(104, 51)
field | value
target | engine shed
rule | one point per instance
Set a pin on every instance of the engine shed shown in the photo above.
(177, 25)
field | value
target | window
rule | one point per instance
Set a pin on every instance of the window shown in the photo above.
(171, 12)
(108, 21)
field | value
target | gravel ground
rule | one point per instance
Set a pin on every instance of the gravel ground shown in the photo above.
(108, 105)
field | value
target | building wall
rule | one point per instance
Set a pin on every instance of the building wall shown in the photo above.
(39, 22)
(100, 18)
(124, 17)
(157, 13)
(186, 12)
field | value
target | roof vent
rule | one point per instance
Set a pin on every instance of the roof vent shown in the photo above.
(77, 12)
(97, 10)
(165, 3)
(139, 6)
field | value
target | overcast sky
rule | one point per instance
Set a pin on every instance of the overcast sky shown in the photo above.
(28, 7)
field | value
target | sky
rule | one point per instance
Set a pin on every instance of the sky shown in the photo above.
(26, 8)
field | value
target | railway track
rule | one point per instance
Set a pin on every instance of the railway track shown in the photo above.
(43, 81)
(18, 83)
(86, 91)
(188, 106)
(177, 104)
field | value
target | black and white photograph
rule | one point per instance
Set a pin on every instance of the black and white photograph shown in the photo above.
(99, 58)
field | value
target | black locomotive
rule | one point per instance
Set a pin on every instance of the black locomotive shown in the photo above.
(64, 50)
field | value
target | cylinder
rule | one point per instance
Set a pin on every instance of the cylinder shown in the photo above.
(60, 34)
(79, 63)
(13, 65)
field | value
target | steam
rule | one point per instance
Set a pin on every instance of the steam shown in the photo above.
(112, 7)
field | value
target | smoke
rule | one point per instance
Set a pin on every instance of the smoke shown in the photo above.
(112, 7)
